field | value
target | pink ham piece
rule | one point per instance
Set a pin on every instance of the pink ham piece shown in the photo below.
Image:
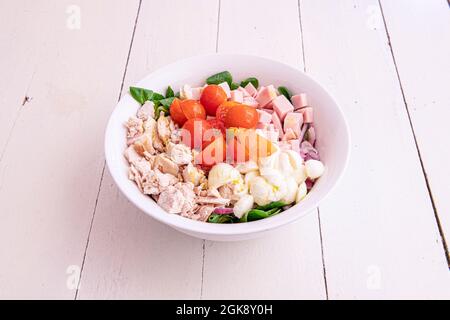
(237, 96)
(308, 116)
(250, 101)
(289, 135)
(266, 95)
(262, 126)
(293, 121)
(282, 106)
(299, 101)
(226, 88)
(250, 88)
(244, 92)
(264, 117)
(277, 123)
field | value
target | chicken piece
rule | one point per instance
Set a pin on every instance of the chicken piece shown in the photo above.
(134, 127)
(226, 191)
(171, 200)
(179, 153)
(163, 128)
(165, 165)
(213, 201)
(143, 145)
(187, 189)
(165, 179)
(150, 129)
(146, 111)
(131, 155)
(175, 136)
(193, 174)
(201, 214)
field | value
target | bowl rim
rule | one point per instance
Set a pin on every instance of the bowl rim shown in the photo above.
(192, 226)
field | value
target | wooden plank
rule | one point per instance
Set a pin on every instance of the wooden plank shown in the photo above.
(52, 164)
(379, 231)
(287, 263)
(418, 30)
(131, 255)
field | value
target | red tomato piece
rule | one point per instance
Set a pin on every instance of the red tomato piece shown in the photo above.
(195, 133)
(241, 116)
(176, 113)
(212, 97)
(192, 109)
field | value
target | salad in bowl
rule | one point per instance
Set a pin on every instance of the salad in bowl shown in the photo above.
(225, 151)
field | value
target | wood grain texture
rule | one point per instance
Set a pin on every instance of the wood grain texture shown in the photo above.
(420, 39)
(380, 234)
(52, 164)
(130, 255)
(286, 263)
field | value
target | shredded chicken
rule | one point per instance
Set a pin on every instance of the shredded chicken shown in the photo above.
(163, 127)
(201, 214)
(213, 201)
(146, 111)
(163, 163)
(179, 198)
(134, 127)
(179, 153)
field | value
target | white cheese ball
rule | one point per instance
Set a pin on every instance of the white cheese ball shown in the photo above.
(243, 205)
(247, 167)
(301, 192)
(284, 165)
(261, 191)
(291, 191)
(222, 174)
(314, 169)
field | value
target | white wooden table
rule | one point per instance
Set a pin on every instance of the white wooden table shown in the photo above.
(381, 234)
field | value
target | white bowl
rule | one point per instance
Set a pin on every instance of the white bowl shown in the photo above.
(333, 139)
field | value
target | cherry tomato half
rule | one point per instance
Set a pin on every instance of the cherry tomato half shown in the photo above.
(176, 113)
(241, 116)
(212, 97)
(192, 109)
(195, 133)
(222, 110)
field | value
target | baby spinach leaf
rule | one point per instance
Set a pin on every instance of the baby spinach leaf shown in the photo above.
(251, 80)
(157, 96)
(141, 95)
(166, 102)
(234, 86)
(169, 92)
(285, 92)
(272, 205)
(177, 95)
(222, 218)
(220, 77)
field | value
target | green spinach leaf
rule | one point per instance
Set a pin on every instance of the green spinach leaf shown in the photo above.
(222, 218)
(141, 95)
(285, 92)
(234, 86)
(272, 205)
(251, 80)
(169, 92)
(218, 78)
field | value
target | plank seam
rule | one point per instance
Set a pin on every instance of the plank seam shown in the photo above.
(104, 163)
(430, 194)
(324, 270)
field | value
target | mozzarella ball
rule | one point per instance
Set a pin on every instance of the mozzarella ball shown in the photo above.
(314, 169)
(301, 192)
(222, 174)
(291, 191)
(261, 191)
(243, 205)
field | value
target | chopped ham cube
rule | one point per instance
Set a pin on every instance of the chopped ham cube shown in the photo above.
(299, 101)
(293, 121)
(295, 145)
(269, 110)
(246, 94)
(308, 115)
(226, 88)
(289, 135)
(277, 123)
(282, 106)
(237, 96)
(250, 101)
(196, 93)
(250, 88)
(264, 117)
(266, 95)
